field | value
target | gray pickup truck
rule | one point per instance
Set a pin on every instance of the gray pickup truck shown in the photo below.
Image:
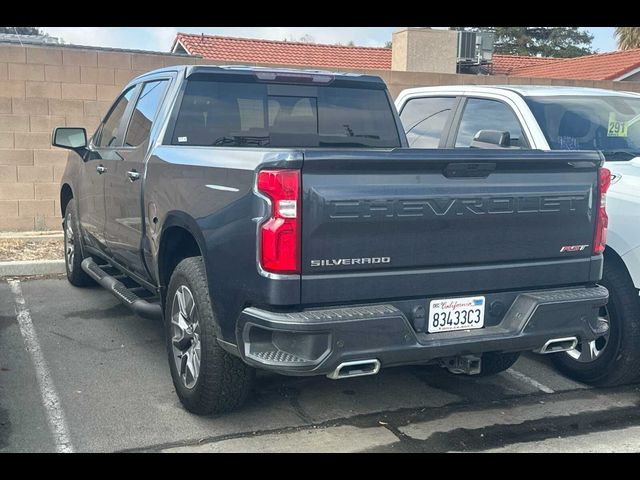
(276, 219)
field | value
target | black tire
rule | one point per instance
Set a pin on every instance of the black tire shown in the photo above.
(494, 362)
(72, 238)
(619, 362)
(224, 381)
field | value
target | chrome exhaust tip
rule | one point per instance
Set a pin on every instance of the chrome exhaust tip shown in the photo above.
(556, 345)
(358, 368)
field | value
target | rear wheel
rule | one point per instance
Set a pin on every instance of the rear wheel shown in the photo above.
(73, 249)
(614, 357)
(207, 379)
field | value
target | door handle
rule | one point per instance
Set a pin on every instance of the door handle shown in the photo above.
(100, 169)
(133, 175)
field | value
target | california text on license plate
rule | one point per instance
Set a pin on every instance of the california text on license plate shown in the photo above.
(449, 314)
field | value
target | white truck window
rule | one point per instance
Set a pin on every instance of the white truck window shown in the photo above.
(424, 120)
(484, 114)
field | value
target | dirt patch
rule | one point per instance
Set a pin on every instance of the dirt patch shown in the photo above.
(12, 249)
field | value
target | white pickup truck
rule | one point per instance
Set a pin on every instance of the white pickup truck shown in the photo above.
(558, 118)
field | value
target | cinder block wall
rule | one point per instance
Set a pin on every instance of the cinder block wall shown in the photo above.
(42, 87)
(46, 86)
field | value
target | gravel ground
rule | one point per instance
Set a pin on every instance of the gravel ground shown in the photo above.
(13, 249)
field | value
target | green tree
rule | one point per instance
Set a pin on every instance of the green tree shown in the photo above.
(22, 30)
(561, 42)
(628, 37)
(388, 44)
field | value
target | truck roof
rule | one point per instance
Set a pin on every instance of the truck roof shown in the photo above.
(250, 70)
(526, 90)
(539, 90)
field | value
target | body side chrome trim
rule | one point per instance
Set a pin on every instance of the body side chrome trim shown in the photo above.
(223, 188)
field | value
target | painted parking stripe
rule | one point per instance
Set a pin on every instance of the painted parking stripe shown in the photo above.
(526, 379)
(50, 397)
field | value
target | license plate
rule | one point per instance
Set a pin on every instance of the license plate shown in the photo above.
(451, 314)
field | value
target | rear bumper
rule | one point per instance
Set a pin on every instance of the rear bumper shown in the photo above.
(315, 342)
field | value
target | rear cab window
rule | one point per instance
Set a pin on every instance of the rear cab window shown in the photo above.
(257, 114)
(424, 120)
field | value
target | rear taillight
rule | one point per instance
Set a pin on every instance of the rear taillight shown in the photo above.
(280, 233)
(602, 220)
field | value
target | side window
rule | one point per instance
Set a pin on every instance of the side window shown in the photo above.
(482, 114)
(424, 120)
(144, 113)
(107, 135)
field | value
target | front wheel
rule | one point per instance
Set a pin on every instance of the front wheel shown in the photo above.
(614, 357)
(207, 379)
(73, 248)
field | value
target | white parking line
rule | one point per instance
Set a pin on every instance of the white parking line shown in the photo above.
(526, 379)
(50, 398)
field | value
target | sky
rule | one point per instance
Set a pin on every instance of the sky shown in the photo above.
(161, 38)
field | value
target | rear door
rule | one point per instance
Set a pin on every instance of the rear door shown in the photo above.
(123, 187)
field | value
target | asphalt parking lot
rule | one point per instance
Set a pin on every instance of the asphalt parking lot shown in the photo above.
(79, 372)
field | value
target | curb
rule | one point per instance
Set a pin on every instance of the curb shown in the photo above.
(32, 267)
(32, 238)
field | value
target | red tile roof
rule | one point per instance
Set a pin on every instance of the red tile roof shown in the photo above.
(601, 66)
(230, 49)
(507, 64)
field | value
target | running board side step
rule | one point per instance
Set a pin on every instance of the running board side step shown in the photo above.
(138, 305)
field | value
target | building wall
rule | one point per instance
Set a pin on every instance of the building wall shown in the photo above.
(42, 87)
(425, 50)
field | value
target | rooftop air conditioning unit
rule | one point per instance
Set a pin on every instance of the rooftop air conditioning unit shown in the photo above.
(466, 47)
(475, 48)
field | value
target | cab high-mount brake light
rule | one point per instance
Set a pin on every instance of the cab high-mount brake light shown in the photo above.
(295, 77)
(602, 220)
(280, 233)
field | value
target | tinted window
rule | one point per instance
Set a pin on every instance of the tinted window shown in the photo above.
(107, 135)
(260, 115)
(609, 123)
(356, 117)
(145, 111)
(424, 120)
(481, 114)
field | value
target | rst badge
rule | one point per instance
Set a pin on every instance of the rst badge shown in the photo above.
(573, 248)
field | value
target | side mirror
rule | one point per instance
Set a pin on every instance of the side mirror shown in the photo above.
(70, 138)
(491, 139)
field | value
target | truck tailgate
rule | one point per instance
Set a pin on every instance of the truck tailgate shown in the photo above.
(420, 222)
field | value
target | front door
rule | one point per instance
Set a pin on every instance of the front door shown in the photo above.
(123, 189)
(98, 160)
(89, 192)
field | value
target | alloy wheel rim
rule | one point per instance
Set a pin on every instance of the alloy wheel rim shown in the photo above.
(587, 352)
(185, 336)
(69, 245)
